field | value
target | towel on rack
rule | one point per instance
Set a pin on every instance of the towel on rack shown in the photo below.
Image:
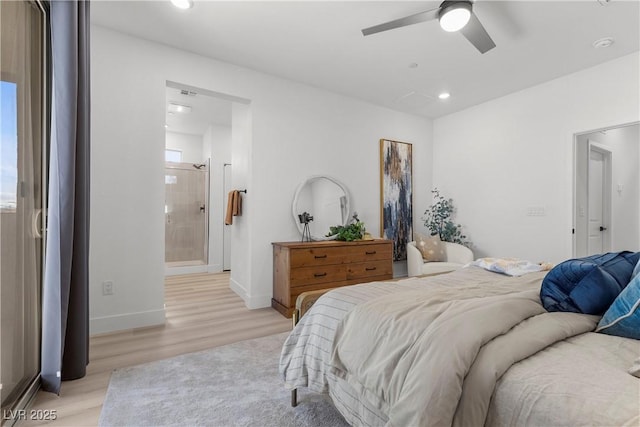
(234, 206)
(237, 203)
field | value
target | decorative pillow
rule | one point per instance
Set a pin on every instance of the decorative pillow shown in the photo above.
(636, 270)
(623, 317)
(635, 368)
(431, 248)
(587, 285)
(508, 266)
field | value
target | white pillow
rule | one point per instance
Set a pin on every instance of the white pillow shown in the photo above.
(509, 266)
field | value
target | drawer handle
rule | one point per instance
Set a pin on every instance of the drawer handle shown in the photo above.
(370, 268)
(371, 253)
(320, 256)
(319, 274)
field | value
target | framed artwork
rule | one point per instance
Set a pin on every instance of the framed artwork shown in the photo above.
(396, 195)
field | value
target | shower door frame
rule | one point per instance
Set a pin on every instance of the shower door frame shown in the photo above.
(190, 166)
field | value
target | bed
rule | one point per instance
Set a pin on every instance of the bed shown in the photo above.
(470, 347)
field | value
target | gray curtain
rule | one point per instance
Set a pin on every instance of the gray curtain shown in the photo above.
(65, 305)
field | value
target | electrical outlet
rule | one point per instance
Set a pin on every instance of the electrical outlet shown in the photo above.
(107, 288)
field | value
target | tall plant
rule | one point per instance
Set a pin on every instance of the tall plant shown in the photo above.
(438, 219)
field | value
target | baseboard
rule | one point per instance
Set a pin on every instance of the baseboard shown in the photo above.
(101, 325)
(214, 268)
(259, 301)
(238, 289)
(191, 269)
(252, 302)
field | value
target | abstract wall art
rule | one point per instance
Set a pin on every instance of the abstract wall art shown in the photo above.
(396, 195)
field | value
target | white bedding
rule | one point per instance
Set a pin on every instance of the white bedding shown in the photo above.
(307, 353)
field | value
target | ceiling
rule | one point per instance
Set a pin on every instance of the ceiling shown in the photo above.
(205, 110)
(320, 44)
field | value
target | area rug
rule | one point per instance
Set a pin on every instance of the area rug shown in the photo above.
(234, 385)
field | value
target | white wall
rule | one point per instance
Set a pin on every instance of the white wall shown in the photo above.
(500, 158)
(190, 146)
(288, 132)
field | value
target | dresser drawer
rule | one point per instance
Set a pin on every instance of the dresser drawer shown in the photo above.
(369, 269)
(304, 276)
(305, 257)
(381, 251)
(308, 266)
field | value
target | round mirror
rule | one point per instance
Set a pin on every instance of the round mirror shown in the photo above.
(320, 202)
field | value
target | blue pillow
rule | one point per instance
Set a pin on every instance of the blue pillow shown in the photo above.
(636, 270)
(623, 317)
(587, 285)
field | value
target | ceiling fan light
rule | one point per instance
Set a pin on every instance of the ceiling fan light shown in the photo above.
(182, 4)
(455, 17)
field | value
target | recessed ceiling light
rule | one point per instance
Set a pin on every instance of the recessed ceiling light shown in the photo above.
(444, 95)
(166, 126)
(604, 42)
(182, 4)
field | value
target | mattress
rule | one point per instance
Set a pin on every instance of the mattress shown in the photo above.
(579, 381)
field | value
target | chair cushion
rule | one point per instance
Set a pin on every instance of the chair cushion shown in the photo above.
(431, 248)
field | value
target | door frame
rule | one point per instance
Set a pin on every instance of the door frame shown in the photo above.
(576, 183)
(226, 231)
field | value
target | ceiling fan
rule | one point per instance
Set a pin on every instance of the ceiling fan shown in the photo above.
(454, 15)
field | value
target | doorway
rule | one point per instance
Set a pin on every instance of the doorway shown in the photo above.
(197, 146)
(607, 190)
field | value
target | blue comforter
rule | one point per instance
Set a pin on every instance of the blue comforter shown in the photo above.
(587, 285)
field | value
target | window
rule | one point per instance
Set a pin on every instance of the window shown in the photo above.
(8, 146)
(22, 142)
(172, 155)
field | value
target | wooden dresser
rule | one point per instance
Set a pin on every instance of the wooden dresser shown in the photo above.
(307, 266)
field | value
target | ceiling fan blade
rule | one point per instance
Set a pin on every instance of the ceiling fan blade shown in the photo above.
(477, 35)
(402, 22)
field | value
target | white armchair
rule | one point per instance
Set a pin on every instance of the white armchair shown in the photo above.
(457, 257)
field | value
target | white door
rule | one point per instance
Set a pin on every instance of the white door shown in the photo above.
(226, 234)
(599, 200)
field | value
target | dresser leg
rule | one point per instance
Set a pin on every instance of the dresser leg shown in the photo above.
(294, 397)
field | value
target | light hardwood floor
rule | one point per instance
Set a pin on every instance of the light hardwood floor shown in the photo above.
(202, 312)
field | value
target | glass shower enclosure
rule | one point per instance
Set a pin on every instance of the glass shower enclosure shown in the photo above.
(186, 214)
